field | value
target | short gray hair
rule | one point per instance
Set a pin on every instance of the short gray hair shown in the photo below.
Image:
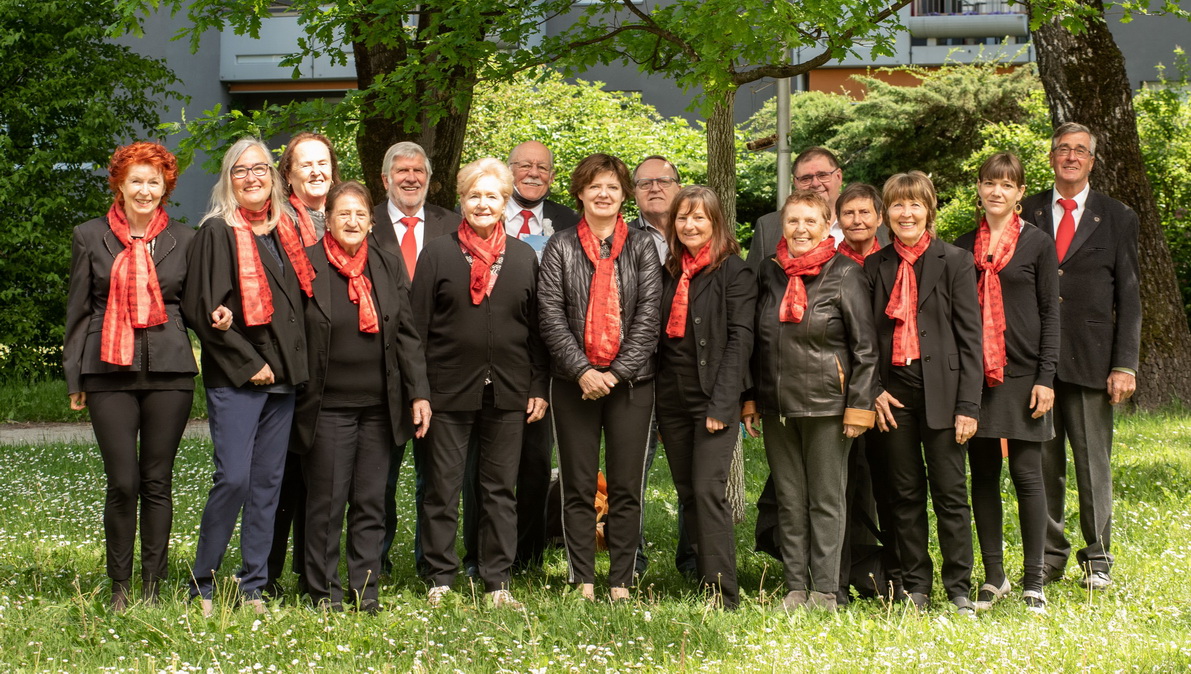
(1073, 127)
(223, 202)
(405, 149)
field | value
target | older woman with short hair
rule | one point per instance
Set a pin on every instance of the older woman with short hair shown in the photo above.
(367, 372)
(310, 169)
(814, 370)
(708, 294)
(927, 315)
(600, 300)
(248, 256)
(475, 303)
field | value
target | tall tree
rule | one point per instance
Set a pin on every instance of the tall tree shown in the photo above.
(70, 97)
(1085, 80)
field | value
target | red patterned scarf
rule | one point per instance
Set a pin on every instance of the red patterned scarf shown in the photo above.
(255, 294)
(992, 304)
(134, 295)
(847, 251)
(691, 265)
(359, 287)
(484, 253)
(809, 263)
(601, 333)
(903, 301)
(305, 223)
(291, 243)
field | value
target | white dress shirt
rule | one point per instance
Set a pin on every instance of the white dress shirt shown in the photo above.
(1057, 210)
(399, 228)
(514, 219)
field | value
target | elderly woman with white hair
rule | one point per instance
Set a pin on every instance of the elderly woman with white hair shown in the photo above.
(247, 256)
(475, 303)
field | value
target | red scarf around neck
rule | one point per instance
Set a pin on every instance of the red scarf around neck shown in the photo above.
(255, 294)
(601, 333)
(903, 301)
(134, 294)
(989, 263)
(484, 253)
(359, 287)
(810, 263)
(305, 222)
(847, 251)
(691, 265)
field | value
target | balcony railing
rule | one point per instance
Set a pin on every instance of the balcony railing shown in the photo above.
(965, 7)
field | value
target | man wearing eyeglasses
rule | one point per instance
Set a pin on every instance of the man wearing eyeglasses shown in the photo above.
(655, 184)
(1099, 336)
(529, 215)
(815, 169)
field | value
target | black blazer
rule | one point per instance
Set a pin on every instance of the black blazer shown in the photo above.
(467, 343)
(439, 221)
(1030, 295)
(826, 364)
(93, 251)
(1099, 300)
(948, 324)
(232, 357)
(405, 362)
(720, 314)
(560, 216)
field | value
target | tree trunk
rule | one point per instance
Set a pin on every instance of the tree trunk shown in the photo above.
(721, 154)
(1085, 81)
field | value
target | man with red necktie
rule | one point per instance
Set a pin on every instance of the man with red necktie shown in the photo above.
(402, 225)
(530, 215)
(1100, 332)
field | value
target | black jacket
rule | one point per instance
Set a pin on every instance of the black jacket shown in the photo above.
(949, 329)
(826, 364)
(404, 364)
(563, 286)
(232, 357)
(560, 216)
(720, 315)
(439, 222)
(93, 251)
(1099, 300)
(467, 343)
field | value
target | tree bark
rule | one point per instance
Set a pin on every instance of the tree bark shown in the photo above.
(1085, 81)
(721, 154)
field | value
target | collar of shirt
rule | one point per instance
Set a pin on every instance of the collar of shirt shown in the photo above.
(837, 233)
(514, 219)
(659, 239)
(1081, 201)
(395, 215)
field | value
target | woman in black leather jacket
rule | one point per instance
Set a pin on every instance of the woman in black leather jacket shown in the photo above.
(708, 296)
(599, 292)
(815, 373)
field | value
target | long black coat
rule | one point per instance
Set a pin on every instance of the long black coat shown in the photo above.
(1099, 300)
(948, 324)
(93, 251)
(405, 361)
(232, 357)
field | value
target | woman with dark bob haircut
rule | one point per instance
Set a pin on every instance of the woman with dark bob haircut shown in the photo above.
(1019, 301)
(928, 327)
(599, 294)
(707, 312)
(128, 358)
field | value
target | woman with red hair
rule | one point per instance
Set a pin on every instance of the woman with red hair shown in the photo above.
(127, 356)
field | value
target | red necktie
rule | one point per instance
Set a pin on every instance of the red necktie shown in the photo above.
(409, 245)
(1066, 231)
(525, 225)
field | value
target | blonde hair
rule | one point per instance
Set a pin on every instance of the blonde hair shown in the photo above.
(223, 202)
(488, 166)
(915, 186)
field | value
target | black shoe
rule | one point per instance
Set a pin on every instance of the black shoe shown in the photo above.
(1035, 601)
(369, 606)
(1051, 574)
(964, 607)
(472, 571)
(120, 595)
(918, 600)
(1096, 580)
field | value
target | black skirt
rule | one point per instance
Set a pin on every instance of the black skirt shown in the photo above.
(1005, 413)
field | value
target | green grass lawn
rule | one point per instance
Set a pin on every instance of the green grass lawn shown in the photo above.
(53, 596)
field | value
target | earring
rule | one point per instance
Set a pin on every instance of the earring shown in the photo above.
(1017, 208)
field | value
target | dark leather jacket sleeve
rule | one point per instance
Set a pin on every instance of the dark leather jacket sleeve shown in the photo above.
(862, 342)
(567, 358)
(640, 341)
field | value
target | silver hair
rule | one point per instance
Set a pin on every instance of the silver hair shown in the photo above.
(548, 151)
(488, 166)
(405, 149)
(223, 202)
(1073, 127)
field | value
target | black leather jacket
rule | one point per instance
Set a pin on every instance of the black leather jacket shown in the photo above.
(827, 364)
(563, 284)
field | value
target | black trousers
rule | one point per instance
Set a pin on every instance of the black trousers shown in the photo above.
(346, 469)
(700, 462)
(1083, 417)
(623, 418)
(922, 457)
(291, 513)
(159, 418)
(396, 456)
(1025, 467)
(444, 461)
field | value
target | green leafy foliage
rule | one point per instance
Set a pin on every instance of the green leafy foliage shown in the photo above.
(70, 97)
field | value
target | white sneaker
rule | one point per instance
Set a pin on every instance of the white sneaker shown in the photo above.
(504, 599)
(437, 594)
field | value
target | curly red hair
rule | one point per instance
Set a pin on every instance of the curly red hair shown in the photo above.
(143, 152)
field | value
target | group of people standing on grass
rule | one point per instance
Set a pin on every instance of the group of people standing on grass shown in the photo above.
(852, 338)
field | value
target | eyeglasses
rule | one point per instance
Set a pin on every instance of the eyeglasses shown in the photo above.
(662, 183)
(529, 166)
(809, 178)
(1080, 152)
(259, 170)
